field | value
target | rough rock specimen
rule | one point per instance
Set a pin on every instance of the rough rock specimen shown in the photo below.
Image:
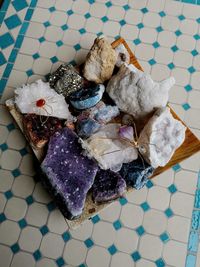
(39, 129)
(136, 173)
(91, 120)
(122, 55)
(161, 136)
(135, 93)
(86, 127)
(87, 97)
(70, 173)
(100, 61)
(66, 80)
(38, 98)
(108, 149)
(108, 185)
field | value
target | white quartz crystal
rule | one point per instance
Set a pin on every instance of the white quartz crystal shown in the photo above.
(135, 92)
(122, 55)
(108, 149)
(160, 137)
(29, 96)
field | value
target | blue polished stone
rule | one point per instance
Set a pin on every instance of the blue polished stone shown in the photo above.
(87, 97)
(136, 173)
(85, 128)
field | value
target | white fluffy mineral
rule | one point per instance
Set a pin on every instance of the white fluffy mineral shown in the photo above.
(135, 92)
(161, 136)
(107, 148)
(40, 99)
(100, 61)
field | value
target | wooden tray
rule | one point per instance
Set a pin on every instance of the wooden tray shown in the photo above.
(190, 146)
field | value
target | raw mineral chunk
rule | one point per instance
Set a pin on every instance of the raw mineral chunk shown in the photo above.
(136, 173)
(87, 97)
(38, 98)
(108, 149)
(70, 173)
(85, 128)
(66, 80)
(161, 136)
(107, 186)
(39, 129)
(100, 61)
(135, 93)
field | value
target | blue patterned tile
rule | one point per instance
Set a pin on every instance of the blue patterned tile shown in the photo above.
(140, 230)
(126, 7)
(156, 44)
(162, 14)
(195, 220)
(22, 223)
(188, 88)
(123, 201)
(15, 248)
(152, 62)
(64, 27)
(171, 66)
(186, 106)
(54, 59)
(145, 206)
(137, 41)
(36, 56)
(29, 73)
(37, 255)
(169, 213)
(160, 263)
(6, 40)
(77, 47)
(197, 199)
(191, 69)
(176, 167)
(159, 29)
(12, 22)
(193, 241)
(181, 17)
(16, 173)
(46, 24)
(19, 5)
(8, 194)
(70, 12)
(149, 184)
(59, 43)
(44, 230)
(82, 31)
(164, 237)
(87, 15)
(136, 256)
(144, 10)
(2, 59)
(51, 206)
(3, 147)
(196, 36)
(2, 217)
(60, 262)
(178, 33)
(117, 225)
(112, 249)
(172, 189)
(23, 151)
(108, 4)
(66, 236)
(52, 9)
(89, 243)
(95, 219)
(140, 25)
(174, 48)
(191, 261)
(194, 52)
(29, 200)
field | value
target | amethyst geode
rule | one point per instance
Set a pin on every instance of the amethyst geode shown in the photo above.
(108, 185)
(69, 173)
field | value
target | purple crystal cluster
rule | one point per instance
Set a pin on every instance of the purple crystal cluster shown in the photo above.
(70, 173)
(108, 185)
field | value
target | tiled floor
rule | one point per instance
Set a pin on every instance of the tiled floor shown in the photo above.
(152, 227)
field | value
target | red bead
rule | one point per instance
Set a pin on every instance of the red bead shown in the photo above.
(40, 102)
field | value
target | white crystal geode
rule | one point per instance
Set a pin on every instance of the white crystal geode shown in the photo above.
(107, 148)
(160, 137)
(135, 93)
(100, 61)
(38, 98)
